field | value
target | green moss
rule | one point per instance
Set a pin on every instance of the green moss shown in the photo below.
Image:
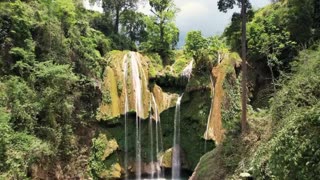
(155, 64)
(106, 97)
(204, 168)
(231, 108)
(119, 87)
(199, 82)
(181, 61)
(194, 115)
(103, 162)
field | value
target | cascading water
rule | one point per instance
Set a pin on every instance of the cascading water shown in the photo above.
(160, 172)
(131, 61)
(209, 117)
(158, 135)
(176, 163)
(126, 109)
(151, 143)
(137, 87)
(187, 70)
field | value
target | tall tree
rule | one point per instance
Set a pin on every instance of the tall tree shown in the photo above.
(133, 26)
(115, 8)
(163, 34)
(223, 6)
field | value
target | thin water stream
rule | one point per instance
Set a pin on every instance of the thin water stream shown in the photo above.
(176, 162)
(135, 74)
(126, 109)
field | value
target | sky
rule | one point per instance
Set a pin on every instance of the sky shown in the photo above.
(200, 15)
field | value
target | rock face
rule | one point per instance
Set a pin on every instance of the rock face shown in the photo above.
(224, 115)
(120, 81)
(215, 130)
(166, 159)
(103, 161)
(164, 100)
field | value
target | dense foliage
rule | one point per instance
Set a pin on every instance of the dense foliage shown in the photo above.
(293, 150)
(283, 138)
(162, 33)
(287, 22)
(50, 60)
(53, 56)
(206, 52)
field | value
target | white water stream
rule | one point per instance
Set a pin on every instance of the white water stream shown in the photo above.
(176, 162)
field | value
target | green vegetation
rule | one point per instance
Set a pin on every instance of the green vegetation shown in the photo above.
(162, 33)
(18, 149)
(51, 60)
(206, 52)
(62, 90)
(293, 149)
(283, 138)
(103, 162)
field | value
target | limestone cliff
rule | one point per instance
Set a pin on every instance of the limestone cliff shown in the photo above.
(215, 129)
(117, 83)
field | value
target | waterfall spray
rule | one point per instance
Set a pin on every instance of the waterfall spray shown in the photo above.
(126, 109)
(209, 117)
(176, 162)
(151, 142)
(186, 72)
(158, 134)
(136, 81)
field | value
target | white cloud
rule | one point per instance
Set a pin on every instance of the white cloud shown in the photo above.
(94, 7)
(204, 15)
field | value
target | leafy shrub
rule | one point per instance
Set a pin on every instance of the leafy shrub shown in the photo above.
(293, 151)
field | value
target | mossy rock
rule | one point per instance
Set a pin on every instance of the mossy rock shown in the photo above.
(115, 86)
(113, 172)
(166, 159)
(103, 160)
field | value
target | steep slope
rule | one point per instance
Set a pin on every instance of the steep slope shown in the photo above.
(283, 141)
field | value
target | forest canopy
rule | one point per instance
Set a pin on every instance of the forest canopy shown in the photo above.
(61, 65)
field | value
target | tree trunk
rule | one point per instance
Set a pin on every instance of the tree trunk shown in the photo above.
(161, 32)
(116, 23)
(244, 98)
(162, 45)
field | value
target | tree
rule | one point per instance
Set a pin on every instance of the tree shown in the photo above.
(233, 31)
(204, 51)
(133, 25)
(196, 45)
(269, 39)
(115, 8)
(163, 34)
(223, 5)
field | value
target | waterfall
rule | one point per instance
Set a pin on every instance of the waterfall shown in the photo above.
(209, 117)
(176, 163)
(151, 143)
(158, 135)
(187, 70)
(126, 109)
(137, 87)
(161, 172)
(134, 75)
